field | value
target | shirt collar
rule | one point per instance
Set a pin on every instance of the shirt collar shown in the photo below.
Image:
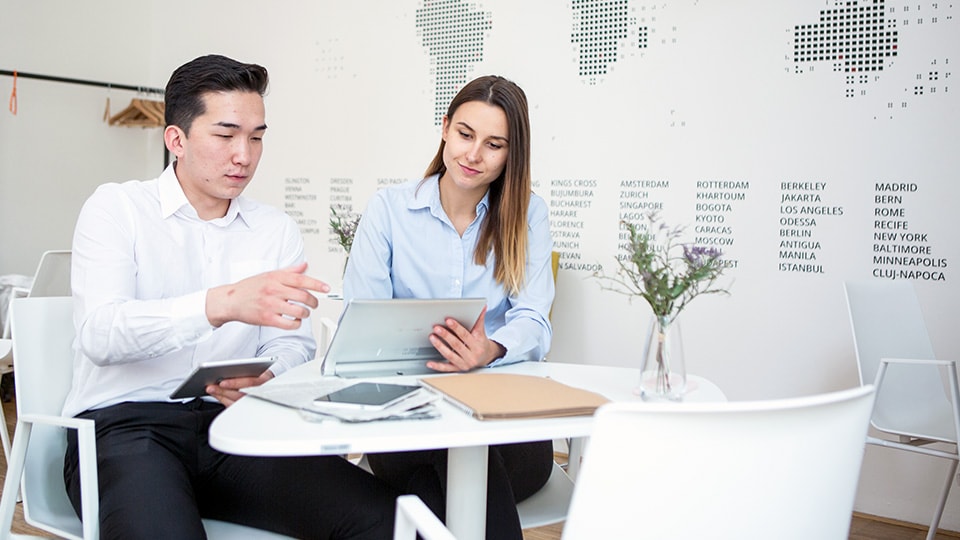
(427, 195)
(173, 199)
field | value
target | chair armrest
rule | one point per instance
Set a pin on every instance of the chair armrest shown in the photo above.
(924, 361)
(953, 379)
(414, 517)
(87, 449)
(61, 421)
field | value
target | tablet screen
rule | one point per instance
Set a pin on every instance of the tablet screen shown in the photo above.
(367, 394)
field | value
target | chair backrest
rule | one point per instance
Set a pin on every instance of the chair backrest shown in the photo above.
(52, 278)
(887, 322)
(43, 347)
(53, 274)
(785, 469)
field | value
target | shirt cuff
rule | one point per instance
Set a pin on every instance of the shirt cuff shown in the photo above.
(190, 313)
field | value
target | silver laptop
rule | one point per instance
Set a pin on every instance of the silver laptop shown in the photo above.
(377, 338)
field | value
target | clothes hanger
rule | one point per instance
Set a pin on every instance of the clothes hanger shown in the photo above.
(156, 108)
(139, 113)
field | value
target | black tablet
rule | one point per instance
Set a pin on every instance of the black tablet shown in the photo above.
(367, 396)
(209, 373)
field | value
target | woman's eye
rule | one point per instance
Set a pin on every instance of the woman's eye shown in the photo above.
(465, 135)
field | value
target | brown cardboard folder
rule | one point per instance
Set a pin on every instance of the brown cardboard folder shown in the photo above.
(492, 396)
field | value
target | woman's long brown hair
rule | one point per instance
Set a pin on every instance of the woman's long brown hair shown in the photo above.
(504, 230)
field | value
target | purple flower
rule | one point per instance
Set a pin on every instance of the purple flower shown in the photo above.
(698, 256)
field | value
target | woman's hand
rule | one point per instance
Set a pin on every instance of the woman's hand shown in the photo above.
(464, 349)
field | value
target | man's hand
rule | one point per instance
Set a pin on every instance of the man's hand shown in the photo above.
(464, 350)
(228, 391)
(274, 298)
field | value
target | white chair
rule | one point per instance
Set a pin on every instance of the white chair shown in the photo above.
(53, 274)
(785, 469)
(894, 353)
(43, 345)
(550, 504)
(413, 517)
(52, 278)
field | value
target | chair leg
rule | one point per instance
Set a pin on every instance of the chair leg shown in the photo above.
(5, 436)
(11, 484)
(938, 513)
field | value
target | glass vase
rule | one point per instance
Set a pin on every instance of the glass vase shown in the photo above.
(663, 375)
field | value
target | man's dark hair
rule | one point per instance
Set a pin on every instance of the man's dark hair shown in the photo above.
(212, 73)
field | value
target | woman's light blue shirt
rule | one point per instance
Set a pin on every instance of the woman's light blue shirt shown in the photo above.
(406, 247)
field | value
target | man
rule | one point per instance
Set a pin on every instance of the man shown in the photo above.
(179, 270)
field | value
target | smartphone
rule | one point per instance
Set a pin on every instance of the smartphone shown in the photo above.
(368, 396)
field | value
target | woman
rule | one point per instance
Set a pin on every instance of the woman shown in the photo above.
(470, 228)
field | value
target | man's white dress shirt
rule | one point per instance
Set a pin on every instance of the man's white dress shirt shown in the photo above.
(143, 261)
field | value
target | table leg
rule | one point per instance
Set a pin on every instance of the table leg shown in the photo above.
(574, 455)
(467, 492)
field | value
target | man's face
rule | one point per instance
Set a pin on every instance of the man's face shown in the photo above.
(217, 160)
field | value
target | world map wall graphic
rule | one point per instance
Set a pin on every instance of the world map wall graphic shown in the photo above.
(879, 44)
(453, 33)
(599, 26)
(855, 37)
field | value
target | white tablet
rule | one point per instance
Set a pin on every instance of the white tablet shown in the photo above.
(209, 373)
(376, 338)
(367, 396)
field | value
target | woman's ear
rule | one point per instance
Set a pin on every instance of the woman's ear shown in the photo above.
(446, 125)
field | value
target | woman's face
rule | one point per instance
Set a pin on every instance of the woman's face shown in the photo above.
(476, 146)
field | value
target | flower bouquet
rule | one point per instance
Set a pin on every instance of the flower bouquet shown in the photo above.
(668, 275)
(344, 224)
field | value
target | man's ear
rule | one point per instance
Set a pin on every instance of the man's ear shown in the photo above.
(174, 138)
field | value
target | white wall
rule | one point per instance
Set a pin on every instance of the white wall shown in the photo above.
(57, 147)
(714, 96)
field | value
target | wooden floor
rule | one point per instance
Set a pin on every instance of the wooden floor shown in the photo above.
(862, 528)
